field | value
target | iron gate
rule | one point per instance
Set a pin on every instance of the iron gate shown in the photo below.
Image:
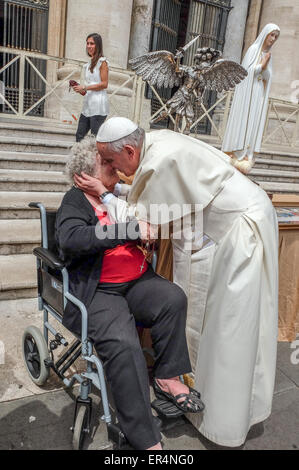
(175, 23)
(25, 27)
(166, 19)
(208, 19)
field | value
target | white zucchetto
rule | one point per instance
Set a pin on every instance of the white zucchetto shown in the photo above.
(115, 128)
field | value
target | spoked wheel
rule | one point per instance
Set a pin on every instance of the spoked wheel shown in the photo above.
(35, 351)
(80, 428)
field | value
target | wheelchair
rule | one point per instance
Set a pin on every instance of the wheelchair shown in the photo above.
(37, 348)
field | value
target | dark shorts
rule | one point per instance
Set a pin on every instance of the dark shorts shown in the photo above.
(92, 123)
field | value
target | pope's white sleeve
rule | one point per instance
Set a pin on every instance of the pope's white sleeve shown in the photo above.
(119, 210)
(121, 189)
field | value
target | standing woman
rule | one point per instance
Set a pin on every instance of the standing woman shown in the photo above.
(245, 128)
(95, 106)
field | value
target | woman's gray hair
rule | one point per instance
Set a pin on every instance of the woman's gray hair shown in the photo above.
(135, 140)
(82, 158)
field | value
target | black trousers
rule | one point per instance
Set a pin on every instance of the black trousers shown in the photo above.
(85, 124)
(159, 305)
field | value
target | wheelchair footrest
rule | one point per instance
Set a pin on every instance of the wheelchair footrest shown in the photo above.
(116, 435)
(166, 409)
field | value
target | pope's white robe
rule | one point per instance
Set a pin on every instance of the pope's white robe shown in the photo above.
(231, 283)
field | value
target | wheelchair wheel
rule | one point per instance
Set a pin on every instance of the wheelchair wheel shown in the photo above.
(80, 428)
(35, 351)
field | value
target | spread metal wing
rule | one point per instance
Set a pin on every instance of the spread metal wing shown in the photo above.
(157, 68)
(223, 75)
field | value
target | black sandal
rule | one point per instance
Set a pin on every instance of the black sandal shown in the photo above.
(191, 404)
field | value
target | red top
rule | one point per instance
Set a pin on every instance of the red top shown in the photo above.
(122, 263)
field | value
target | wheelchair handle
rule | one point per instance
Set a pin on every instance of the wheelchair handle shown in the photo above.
(43, 218)
(36, 205)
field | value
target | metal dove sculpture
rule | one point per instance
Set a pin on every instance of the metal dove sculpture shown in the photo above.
(163, 69)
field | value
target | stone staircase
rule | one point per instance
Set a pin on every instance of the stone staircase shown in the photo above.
(32, 159)
(277, 172)
(276, 169)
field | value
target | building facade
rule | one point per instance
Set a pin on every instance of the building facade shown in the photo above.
(130, 28)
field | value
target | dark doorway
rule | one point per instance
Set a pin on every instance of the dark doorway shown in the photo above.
(165, 30)
(175, 23)
(24, 27)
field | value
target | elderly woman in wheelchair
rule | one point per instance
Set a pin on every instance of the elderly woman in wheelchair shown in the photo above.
(109, 276)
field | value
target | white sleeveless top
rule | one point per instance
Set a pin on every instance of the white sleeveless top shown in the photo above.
(95, 102)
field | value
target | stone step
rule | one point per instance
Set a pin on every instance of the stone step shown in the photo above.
(19, 236)
(267, 152)
(18, 144)
(278, 154)
(274, 175)
(26, 180)
(38, 130)
(32, 161)
(14, 205)
(18, 278)
(277, 187)
(276, 164)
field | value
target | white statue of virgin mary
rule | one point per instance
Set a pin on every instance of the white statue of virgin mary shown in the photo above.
(245, 127)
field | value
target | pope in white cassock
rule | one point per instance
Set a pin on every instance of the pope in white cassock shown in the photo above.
(245, 127)
(231, 281)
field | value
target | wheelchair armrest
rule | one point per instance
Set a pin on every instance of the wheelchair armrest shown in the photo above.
(49, 258)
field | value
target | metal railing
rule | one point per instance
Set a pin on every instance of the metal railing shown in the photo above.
(218, 131)
(281, 128)
(282, 125)
(22, 57)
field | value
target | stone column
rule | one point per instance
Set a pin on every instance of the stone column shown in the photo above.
(140, 27)
(235, 30)
(253, 21)
(55, 47)
(234, 39)
(56, 27)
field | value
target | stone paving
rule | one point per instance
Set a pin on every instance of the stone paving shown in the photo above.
(40, 418)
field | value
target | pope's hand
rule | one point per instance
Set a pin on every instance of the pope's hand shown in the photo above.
(89, 184)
